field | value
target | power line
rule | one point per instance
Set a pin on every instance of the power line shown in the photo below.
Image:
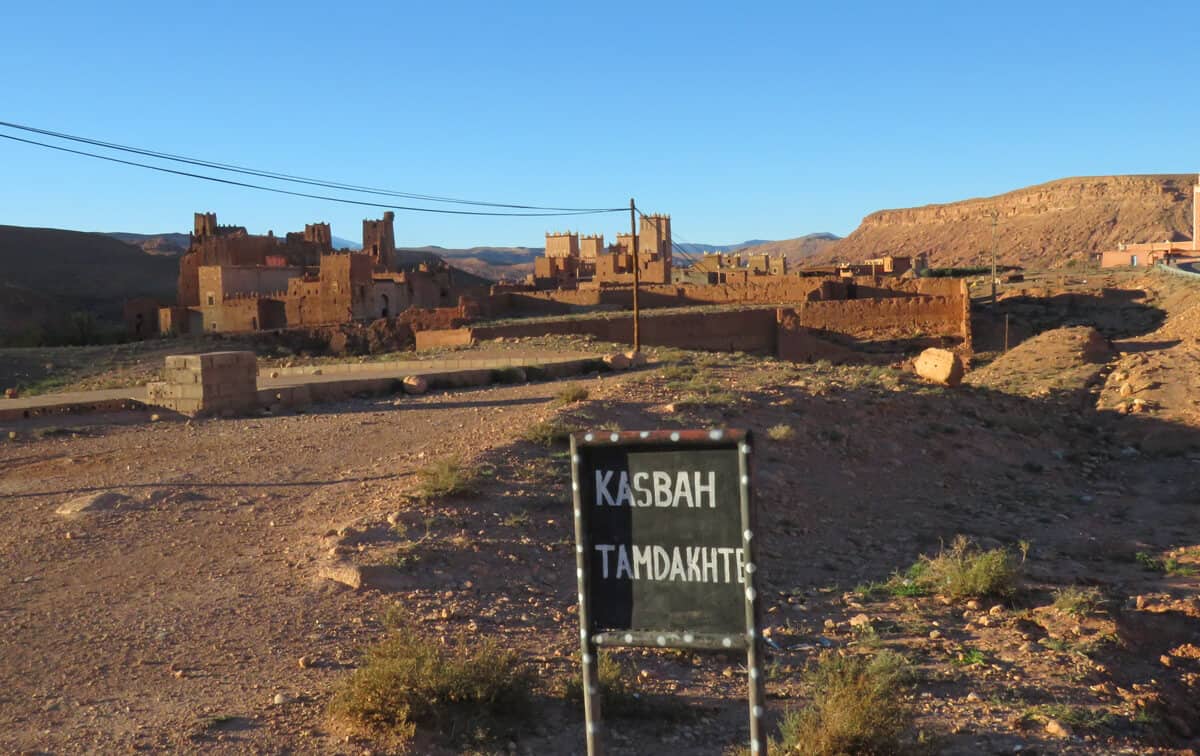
(325, 198)
(233, 168)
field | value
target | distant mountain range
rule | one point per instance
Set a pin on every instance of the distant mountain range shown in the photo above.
(174, 244)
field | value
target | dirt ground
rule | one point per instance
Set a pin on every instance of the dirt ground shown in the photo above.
(177, 620)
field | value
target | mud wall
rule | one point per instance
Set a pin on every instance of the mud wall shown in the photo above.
(933, 316)
(765, 290)
(741, 330)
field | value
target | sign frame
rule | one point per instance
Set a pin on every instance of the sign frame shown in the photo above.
(591, 640)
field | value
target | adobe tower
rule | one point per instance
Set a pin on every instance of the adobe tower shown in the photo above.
(379, 241)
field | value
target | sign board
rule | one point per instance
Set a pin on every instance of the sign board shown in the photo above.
(664, 533)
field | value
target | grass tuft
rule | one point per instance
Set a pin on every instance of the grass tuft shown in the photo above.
(1169, 566)
(781, 432)
(548, 432)
(1076, 601)
(856, 708)
(444, 477)
(966, 571)
(571, 394)
(469, 690)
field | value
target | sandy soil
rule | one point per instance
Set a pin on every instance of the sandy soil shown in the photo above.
(174, 621)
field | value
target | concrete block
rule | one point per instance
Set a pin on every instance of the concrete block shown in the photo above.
(183, 361)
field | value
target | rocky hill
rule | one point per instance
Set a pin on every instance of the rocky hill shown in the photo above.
(49, 275)
(1043, 226)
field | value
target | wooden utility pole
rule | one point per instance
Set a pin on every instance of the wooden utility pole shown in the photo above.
(995, 219)
(637, 336)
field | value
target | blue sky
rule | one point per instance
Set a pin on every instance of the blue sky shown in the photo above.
(765, 121)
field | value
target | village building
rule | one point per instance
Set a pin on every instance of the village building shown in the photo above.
(1152, 253)
(571, 261)
(724, 268)
(234, 281)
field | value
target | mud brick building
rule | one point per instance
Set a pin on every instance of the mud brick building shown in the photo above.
(571, 260)
(1152, 253)
(234, 281)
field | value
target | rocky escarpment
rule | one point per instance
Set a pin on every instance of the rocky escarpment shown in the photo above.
(1043, 226)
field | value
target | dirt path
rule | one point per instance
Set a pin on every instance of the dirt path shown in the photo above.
(194, 603)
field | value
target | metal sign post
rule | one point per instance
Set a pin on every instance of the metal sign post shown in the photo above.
(665, 552)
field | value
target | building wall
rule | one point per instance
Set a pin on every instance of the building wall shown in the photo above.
(591, 247)
(1121, 258)
(141, 317)
(562, 245)
(220, 282)
(244, 314)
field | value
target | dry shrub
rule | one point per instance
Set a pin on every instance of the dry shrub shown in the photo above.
(472, 689)
(966, 571)
(856, 708)
(1077, 601)
(571, 394)
(781, 432)
(444, 477)
(548, 432)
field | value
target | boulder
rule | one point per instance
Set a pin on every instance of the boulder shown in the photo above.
(415, 384)
(940, 366)
(93, 502)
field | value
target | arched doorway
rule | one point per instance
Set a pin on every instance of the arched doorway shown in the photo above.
(384, 312)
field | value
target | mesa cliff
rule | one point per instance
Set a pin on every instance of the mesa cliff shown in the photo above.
(1044, 226)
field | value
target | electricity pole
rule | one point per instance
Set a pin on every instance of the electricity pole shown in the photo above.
(637, 336)
(995, 219)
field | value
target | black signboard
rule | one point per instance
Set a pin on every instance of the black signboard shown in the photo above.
(665, 550)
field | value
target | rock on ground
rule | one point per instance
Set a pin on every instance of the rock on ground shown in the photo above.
(415, 384)
(940, 366)
(93, 502)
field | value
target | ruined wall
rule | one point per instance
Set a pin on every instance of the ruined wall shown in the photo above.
(379, 241)
(345, 290)
(932, 316)
(759, 290)
(740, 330)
